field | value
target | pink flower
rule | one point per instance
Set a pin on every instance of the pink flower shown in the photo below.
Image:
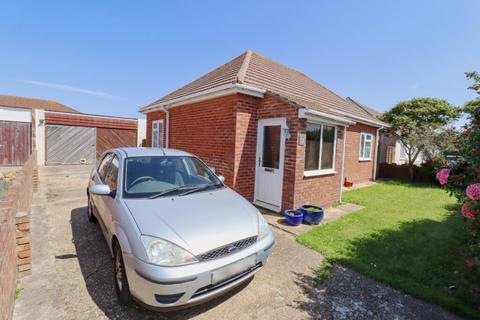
(473, 191)
(470, 262)
(442, 176)
(467, 212)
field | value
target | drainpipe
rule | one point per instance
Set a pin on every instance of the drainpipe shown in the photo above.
(343, 161)
(377, 141)
(167, 126)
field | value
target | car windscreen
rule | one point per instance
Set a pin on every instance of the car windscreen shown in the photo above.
(153, 176)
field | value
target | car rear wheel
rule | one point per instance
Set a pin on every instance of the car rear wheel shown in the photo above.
(121, 282)
(91, 216)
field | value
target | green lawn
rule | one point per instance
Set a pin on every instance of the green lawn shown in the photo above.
(406, 237)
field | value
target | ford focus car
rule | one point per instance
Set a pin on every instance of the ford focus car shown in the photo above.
(177, 234)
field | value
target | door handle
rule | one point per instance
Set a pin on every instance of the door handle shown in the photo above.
(259, 161)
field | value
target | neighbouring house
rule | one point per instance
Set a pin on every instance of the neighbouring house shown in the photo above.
(59, 133)
(390, 149)
(278, 137)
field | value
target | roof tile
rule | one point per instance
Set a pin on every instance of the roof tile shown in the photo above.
(31, 103)
(258, 71)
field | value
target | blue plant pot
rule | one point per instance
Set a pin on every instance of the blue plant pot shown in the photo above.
(293, 217)
(310, 217)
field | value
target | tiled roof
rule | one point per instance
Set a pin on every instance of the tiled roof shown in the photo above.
(31, 103)
(373, 112)
(257, 71)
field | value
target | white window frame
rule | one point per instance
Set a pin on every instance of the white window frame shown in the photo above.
(319, 172)
(403, 156)
(365, 135)
(160, 133)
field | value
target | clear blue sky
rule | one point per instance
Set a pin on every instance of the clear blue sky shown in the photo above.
(111, 57)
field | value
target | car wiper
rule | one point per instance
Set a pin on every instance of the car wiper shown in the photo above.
(197, 189)
(169, 191)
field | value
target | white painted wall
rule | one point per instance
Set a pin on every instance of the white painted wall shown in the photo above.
(39, 123)
(15, 114)
(398, 160)
(141, 130)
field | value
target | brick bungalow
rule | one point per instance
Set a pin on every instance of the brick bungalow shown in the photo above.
(278, 137)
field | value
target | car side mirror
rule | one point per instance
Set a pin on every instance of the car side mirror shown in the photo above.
(221, 178)
(101, 190)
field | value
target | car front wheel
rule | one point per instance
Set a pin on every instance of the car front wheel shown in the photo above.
(121, 283)
(91, 216)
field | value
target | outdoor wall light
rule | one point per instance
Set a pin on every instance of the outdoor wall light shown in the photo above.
(286, 131)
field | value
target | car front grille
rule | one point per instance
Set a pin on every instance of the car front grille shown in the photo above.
(228, 249)
(211, 287)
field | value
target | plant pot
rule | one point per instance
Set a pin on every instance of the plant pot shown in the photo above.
(293, 217)
(311, 214)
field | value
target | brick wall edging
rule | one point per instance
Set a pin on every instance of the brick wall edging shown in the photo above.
(15, 260)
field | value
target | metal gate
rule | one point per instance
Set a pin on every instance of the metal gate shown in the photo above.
(15, 142)
(70, 145)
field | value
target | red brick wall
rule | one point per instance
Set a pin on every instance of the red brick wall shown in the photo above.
(205, 129)
(356, 170)
(297, 189)
(223, 132)
(245, 145)
(321, 190)
(15, 258)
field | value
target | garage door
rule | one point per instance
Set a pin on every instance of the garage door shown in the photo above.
(15, 142)
(115, 138)
(70, 145)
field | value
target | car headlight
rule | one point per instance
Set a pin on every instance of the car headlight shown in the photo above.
(263, 229)
(165, 253)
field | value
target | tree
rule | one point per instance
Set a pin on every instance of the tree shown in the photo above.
(414, 122)
(443, 143)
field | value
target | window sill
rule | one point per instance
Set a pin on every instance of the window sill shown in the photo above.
(315, 173)
(364, 160)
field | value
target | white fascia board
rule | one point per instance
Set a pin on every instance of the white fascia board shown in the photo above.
(15, 114)
(220, 91)
(315, 115)
(361, 119)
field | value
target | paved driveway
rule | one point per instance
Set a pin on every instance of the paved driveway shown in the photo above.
(73, 273)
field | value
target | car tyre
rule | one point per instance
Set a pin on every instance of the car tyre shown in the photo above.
(120, 276)
(91, 216)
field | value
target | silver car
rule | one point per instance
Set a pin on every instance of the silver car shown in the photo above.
(178, 235)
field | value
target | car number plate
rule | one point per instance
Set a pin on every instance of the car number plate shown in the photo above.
(233, 269)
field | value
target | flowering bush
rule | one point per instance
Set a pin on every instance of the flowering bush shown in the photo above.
(463, 179)
(442, 176)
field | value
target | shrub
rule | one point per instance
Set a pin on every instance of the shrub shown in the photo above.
(462, 180)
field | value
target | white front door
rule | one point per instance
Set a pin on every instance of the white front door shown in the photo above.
(269, 168)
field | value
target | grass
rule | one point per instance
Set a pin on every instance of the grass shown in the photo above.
(406, 237)
(18, 290)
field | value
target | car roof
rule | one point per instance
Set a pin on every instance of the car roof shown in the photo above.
(142, 152)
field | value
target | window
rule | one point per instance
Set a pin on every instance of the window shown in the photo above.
(174, 175)
(366, 146)
(320, 148)
(271, 146)
(112, 174)
(102, 168)
(403, 152)
(157, 134)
